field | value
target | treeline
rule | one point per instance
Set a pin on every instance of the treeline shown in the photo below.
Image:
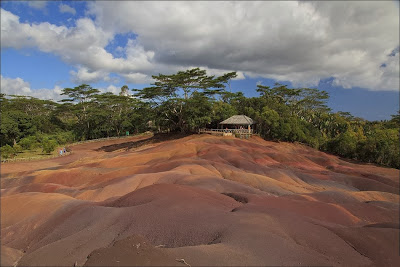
(189, 100)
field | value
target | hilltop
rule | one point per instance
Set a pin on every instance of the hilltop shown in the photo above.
(201, 200)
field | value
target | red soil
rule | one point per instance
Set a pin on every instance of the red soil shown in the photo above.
(201, 200)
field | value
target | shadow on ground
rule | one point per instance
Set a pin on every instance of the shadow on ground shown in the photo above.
(156, 138)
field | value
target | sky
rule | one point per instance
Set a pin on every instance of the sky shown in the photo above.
(349, 49)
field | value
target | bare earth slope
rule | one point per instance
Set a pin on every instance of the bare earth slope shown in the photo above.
(198, 200)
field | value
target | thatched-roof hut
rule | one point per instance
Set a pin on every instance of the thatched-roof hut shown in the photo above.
(238, 120)
(241, 127)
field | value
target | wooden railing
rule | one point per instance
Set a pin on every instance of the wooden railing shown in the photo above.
(241, 133)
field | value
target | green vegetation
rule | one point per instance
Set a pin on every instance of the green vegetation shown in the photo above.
(187, 101)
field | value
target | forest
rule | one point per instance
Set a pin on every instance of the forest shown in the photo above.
(186, 101)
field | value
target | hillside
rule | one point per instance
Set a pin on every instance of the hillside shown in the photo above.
(201, 200)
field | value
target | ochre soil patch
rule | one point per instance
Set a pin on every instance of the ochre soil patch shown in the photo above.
(201, 200)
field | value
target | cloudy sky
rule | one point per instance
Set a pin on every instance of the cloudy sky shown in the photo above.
(350, 49)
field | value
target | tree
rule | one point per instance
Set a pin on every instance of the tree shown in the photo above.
(114, 113)
(48, 145)
(7, 151)
(344, 144)
(23, 116)
(269, 122)
(220, 111)
(170, 95)
(394, 122)
(226, 79)
(380, 146)
(82, 96)
(198, 112)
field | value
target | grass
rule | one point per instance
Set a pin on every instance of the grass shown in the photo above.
(36, 153)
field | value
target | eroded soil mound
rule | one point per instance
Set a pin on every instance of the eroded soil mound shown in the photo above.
(198, 200)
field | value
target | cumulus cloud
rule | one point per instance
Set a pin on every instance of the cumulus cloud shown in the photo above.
(302, 42)
(83, 75)
(70, 43)
(137, 78)
(17, 86)
(111, 88)
(82, 45)
(66, 9)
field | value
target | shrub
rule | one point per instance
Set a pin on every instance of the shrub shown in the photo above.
(7, 151)
(48, 145)
(17, 148)
(28, 142)
(64, 137)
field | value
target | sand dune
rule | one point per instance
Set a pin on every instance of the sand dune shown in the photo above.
(201, 200)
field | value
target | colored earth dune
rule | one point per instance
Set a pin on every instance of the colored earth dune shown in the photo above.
(199, 200)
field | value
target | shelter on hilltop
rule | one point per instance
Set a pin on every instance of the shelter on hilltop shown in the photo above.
(237, 125)
(238, 120)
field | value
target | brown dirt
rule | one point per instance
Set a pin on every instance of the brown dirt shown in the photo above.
(211, 201)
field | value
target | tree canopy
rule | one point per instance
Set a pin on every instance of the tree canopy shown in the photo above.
(191, 99)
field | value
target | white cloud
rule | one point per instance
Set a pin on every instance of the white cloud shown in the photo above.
(111, 88)
(18, 86)
(301, 42)
(66, 9)
(82, 45)
(85, 76)
(137, 78)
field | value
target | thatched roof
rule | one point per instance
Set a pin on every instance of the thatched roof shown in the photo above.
(238, 120)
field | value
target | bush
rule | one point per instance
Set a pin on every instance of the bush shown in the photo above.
(7, 151)
(29, 142)
(64, 137)
(48, 145)
(17, 148)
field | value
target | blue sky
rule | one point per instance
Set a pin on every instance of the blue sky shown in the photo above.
(50, 45)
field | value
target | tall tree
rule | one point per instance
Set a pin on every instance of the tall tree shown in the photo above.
(170, 94)
(82, 96)
(114, 113)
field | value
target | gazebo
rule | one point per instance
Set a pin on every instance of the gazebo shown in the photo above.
(241, 123)
(239, 126)
(238, 120)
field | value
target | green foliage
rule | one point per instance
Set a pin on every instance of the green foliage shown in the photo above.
(381, 146)
(28, 142)
(220, 111)
(7, 151)
(189, 100)
(269, 121)
(17, 148)
(63, 138)
(172, 96)
(82, 96)
(197, 112)
(48, 145)
(25, 116)
(344, 144)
